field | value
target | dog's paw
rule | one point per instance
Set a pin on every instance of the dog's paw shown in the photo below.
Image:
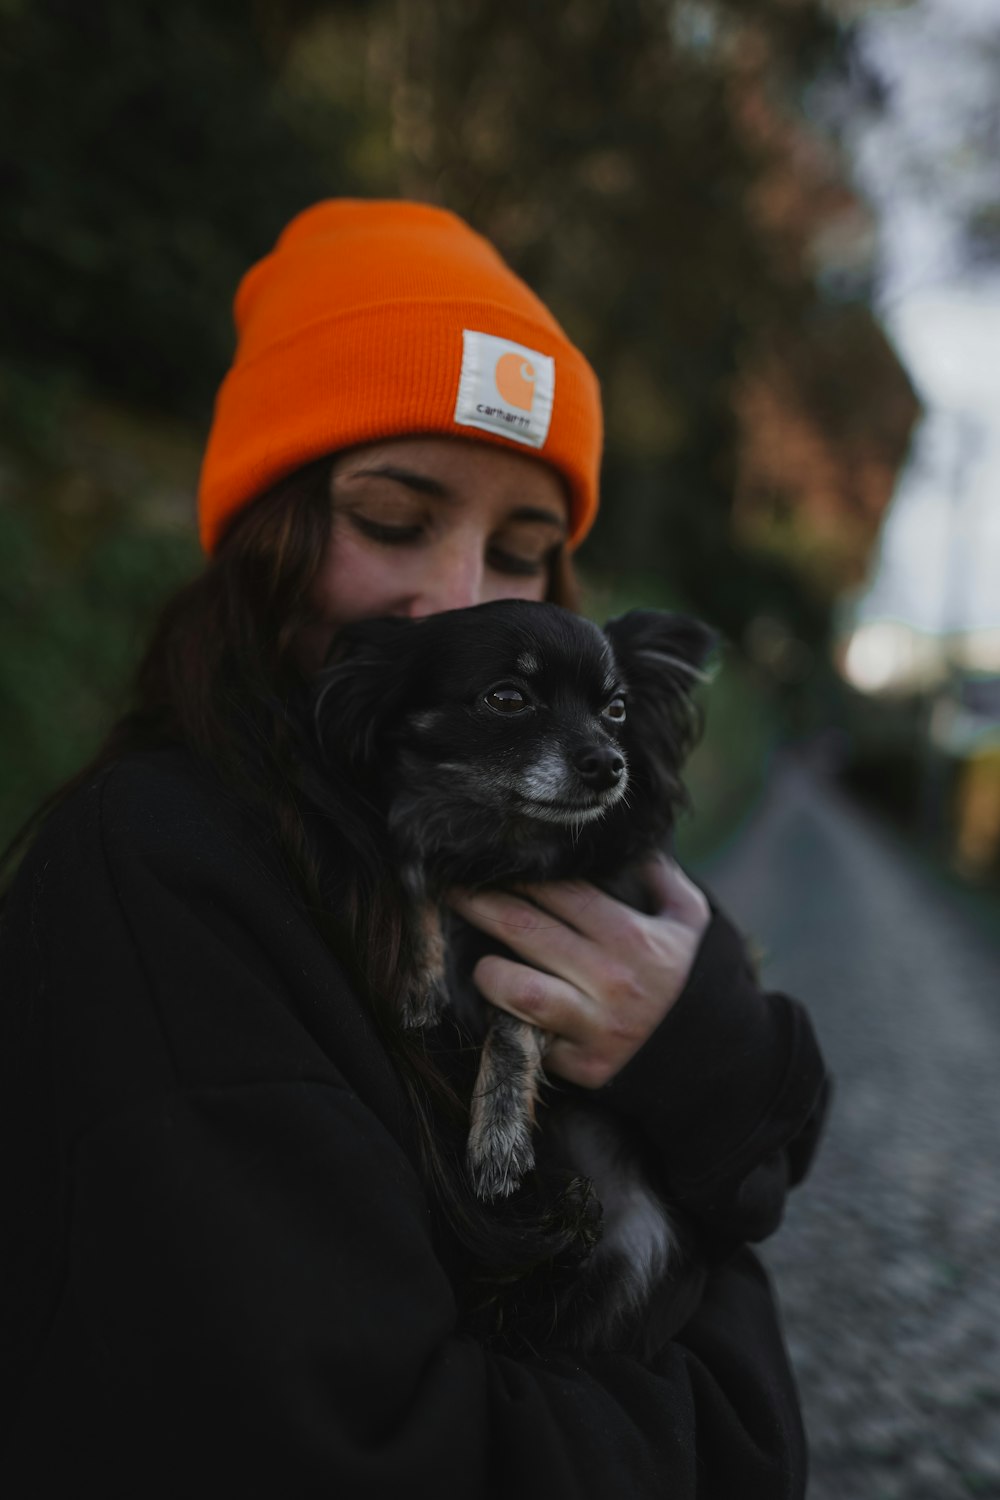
(498, 1158)
(423, 1002)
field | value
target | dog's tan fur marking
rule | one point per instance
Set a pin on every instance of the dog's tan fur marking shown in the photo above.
(426, 997)
(503, 1106)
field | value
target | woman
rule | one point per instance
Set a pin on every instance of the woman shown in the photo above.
(240, 1259)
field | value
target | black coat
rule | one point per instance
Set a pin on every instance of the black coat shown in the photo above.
(220, 1271)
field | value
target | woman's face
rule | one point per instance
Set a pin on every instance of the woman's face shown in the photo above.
(426, 524)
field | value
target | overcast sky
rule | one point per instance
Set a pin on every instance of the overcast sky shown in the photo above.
(927, 161)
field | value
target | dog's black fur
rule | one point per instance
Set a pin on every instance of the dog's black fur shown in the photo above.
(516, 742)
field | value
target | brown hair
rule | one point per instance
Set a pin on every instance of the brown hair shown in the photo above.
(217, 676)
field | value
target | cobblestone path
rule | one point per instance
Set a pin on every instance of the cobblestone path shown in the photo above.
(888, 1265)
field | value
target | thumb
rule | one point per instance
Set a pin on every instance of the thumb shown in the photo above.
(676, 894)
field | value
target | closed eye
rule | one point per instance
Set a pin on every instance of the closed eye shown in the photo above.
(497, 558)
(379, 531)
(508, 562)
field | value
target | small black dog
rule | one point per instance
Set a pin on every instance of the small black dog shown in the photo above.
(516, 742)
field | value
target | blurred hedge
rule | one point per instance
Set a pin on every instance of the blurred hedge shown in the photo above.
(625, 155)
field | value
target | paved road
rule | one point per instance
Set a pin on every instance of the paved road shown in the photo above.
(888, 1264)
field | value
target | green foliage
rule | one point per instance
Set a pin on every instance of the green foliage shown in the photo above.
(743, 721)
(728, 771)
(72, 631)
(151, 152)
(614, 151)
(149, 155)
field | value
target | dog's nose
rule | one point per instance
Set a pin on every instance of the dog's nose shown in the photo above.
(600, 766)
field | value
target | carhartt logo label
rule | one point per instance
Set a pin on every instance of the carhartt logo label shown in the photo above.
(505, 388)
(515, 378)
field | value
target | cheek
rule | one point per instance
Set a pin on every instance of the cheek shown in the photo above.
(353, 583)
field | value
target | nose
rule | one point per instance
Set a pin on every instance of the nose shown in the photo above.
(599, 766)
(455, 582)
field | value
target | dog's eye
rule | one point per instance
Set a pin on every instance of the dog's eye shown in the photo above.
(506, 699)
(616, 710)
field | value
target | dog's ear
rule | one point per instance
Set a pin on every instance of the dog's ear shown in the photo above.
(663, 657)
(361, 690)
(660, 640)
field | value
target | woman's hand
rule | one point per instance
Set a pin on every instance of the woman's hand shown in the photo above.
(610, 974)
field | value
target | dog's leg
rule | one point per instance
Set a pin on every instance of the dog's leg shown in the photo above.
(425, 993)
(499, 1150)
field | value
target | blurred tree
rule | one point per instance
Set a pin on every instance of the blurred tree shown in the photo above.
(148, 154)
(818, 459)
(646, 164)
(648, 168)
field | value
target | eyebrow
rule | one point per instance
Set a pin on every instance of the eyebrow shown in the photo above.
(423, 484)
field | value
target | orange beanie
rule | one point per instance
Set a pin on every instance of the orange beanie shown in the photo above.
(385, 319)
